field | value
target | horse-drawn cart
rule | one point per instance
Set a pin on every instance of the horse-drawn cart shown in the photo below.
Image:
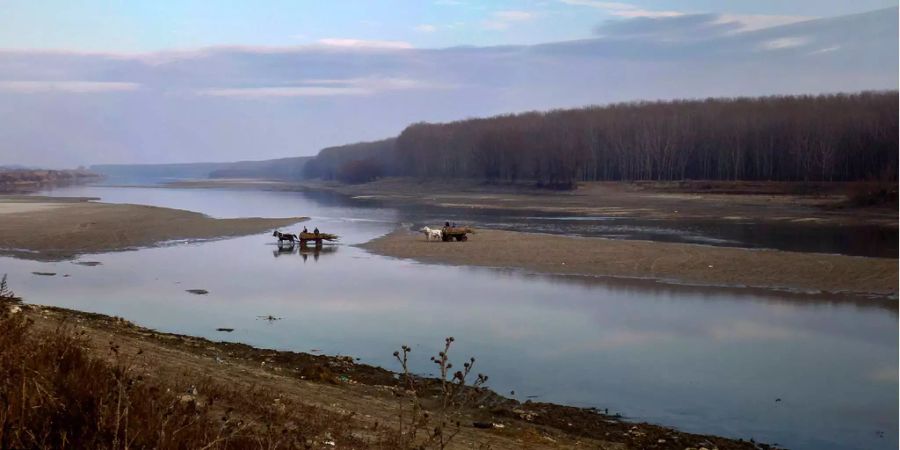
(459, 233)
(304, 238)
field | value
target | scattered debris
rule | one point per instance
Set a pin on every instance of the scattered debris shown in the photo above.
(46, 274)
(487, 425)
(197, 291)
(269, 318)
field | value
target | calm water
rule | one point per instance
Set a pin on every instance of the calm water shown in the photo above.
(703, 360)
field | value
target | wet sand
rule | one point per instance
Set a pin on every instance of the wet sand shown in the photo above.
(670, 262)
(60, 228)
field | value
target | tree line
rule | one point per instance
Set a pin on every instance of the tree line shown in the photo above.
(835, 137)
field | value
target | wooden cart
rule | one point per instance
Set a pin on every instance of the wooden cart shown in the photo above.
(459, 233)
(304, 238)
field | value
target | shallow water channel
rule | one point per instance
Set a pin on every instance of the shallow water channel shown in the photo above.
(704, 360)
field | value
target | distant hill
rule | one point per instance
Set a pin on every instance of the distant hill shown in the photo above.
(273, 169)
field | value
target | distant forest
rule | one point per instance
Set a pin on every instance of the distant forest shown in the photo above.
(843, 137)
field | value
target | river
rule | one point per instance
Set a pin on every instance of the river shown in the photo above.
(800, 370)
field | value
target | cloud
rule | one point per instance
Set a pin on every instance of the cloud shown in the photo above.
(326, 88)
(502, 20)
(785, 42)
(71, 87)
(683, 27)
(751, 22)
(361, 43)
(623, 9)
(426, 28)
(690, 27)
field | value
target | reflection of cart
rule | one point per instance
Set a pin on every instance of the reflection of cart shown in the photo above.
(459, 233)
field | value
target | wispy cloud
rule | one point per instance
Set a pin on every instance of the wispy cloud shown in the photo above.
(502, 20)
(327, 88)
(72, 87)
(362, 43)
(622, 9)
(426, 28)
(785, 42)
(690, 27)
(751, 22)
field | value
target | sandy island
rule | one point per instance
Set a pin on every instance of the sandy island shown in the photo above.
(680, 263)
(60, 228)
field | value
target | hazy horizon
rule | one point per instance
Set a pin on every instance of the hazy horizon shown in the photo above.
(223, 95)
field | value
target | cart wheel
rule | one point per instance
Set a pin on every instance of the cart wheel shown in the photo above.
(446, 238)
(463, 238)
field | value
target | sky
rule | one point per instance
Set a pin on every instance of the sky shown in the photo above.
(180, 81)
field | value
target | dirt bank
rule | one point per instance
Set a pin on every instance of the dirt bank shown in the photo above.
(60, 228)
(353, 405)
(681, 263)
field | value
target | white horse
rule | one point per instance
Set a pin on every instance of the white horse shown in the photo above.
(432, 234)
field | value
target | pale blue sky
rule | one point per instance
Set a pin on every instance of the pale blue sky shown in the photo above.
(141, 26)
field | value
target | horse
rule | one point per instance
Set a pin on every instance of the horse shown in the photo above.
(432, 234)
(284, 237)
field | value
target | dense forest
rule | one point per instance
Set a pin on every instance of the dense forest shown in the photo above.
(841, 137)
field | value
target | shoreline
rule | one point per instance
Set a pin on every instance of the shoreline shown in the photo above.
(689, 264)
(638, 200)
(59, 228)
(365, 395)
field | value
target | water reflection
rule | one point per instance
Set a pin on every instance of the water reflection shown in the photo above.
(304, 251)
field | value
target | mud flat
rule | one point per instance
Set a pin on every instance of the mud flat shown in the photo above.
(60, 228)
(679, 263)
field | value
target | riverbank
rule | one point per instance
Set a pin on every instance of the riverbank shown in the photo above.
(769, 202)
(53, 228)
(628, 200)
(312, 400)
(669, 262)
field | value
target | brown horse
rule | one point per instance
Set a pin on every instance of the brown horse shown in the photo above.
(285, 237)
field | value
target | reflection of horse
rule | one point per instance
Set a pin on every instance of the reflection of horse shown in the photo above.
(284, 237)
(283, 250)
